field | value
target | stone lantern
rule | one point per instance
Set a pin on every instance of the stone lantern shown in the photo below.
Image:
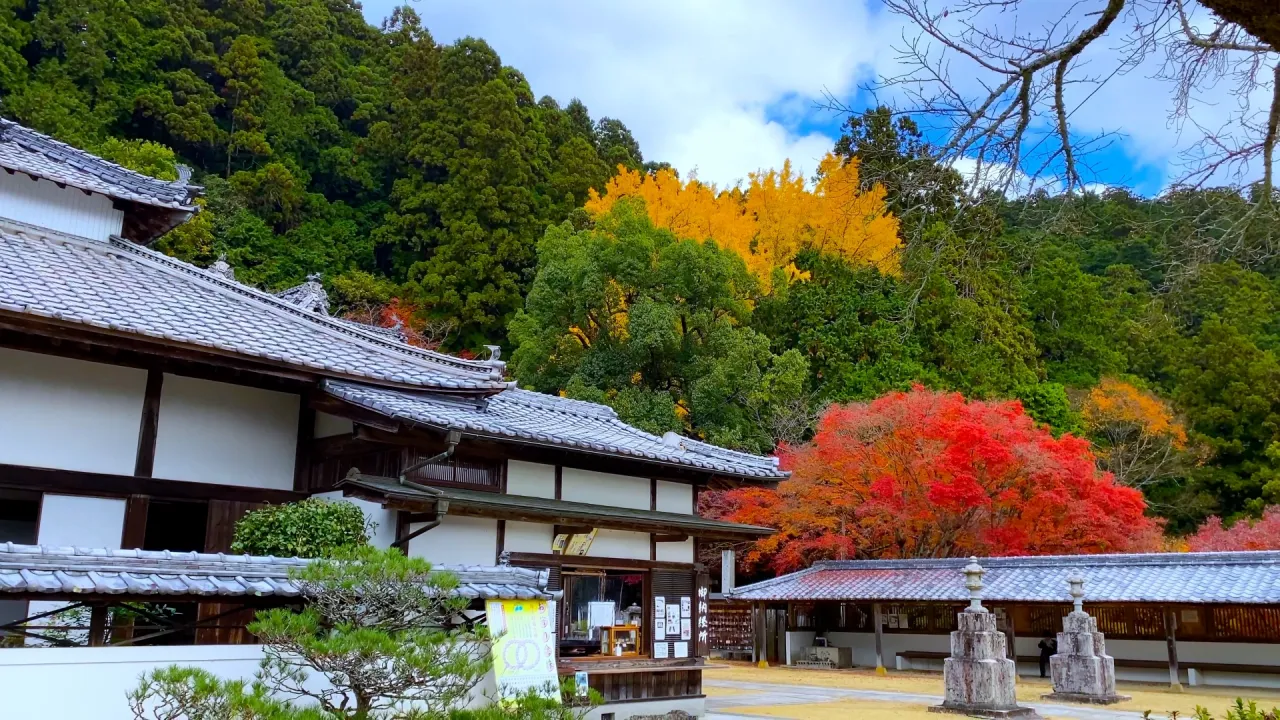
(979, 677)
(1082, 671)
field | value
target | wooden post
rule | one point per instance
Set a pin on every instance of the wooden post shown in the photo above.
(98, 626)
(878, 618)
(759, 655)
(1013, 640)
(1170, 637)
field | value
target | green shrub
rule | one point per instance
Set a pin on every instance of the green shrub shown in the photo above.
(312, 528)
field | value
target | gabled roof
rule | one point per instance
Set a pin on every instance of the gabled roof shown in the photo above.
(537, 419)
(121, 286)
(1228, 577)
(74, 571)
(25, 150)
(547, 510)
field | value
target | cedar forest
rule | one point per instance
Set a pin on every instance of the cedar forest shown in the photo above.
(946, 372)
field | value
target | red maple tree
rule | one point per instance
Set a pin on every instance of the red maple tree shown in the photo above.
(929, 474)
(1245, 534)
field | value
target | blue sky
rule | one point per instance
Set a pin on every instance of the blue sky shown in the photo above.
(725, 87)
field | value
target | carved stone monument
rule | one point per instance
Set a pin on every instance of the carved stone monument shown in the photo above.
(1082, 671)
(979, 676)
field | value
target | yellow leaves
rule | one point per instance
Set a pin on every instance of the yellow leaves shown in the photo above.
(776, 217)
(1117, 402)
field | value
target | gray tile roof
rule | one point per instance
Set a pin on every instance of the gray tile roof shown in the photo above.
(537, 509)
(67, 571)
(538, 419)
(1230, 577)
(121, 286)
(28, 151)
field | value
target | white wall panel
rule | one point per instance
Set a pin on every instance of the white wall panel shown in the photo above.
(81, 521)
(604, 489)
(620, 544)
(69, 414)
(458, 540)
(527, 537)
(675, 552)
(674, 497)
(531, 479)
(329, 425)
(65, 210)
(220, 433)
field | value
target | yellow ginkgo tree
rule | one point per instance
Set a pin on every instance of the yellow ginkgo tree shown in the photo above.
(776, 216)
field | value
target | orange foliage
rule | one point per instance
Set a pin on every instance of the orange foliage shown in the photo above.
(1114, 401)
(775, 218)
(929, 474)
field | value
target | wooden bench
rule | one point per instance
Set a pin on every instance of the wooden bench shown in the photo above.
(909, 655)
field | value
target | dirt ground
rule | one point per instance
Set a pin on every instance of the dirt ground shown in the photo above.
(1156, 698)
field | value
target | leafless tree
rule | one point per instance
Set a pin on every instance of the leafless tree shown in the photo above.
(1006, 92)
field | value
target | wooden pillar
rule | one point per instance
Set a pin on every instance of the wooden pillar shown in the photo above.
(877, 617)
(1013, 640)
(1171, 639)
(759, 652)
(97, 625)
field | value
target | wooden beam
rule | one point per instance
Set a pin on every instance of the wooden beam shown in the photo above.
(145, 459)
(559, 482)
(548, 559)
(669, 538)
(136, 509)
(501, 543)
(74, 482)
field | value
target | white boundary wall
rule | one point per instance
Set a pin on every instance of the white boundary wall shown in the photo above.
(91, 683)
(1189, 653)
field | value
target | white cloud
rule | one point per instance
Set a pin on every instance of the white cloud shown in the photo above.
(693, 80)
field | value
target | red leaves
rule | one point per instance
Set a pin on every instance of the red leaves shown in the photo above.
(1245, 534)
(929, 474)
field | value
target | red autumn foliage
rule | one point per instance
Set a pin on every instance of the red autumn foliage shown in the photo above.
(1261, 534)
(929, 474)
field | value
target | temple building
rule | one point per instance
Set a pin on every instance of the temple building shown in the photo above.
(147, 404)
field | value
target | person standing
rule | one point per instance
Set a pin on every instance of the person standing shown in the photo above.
(1048, 648)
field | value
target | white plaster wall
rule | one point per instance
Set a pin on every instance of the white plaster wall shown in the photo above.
(675, 552)
(527, 537)
(69, 414)
(329, 425)
(220, 433)
(531, 479)
(65, 210)
(34, 682)
(458, 540)
(604, 489)
(674, 498)
(620, 544)
(384, 531)
(81, 521)
(864, 654)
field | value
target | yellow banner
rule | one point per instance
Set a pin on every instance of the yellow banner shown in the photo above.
(524, 651)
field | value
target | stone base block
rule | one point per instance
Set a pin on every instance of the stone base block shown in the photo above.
(1021, 713)
(1085, 699)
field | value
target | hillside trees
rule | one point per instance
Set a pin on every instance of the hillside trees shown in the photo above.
(929, 474)
(658, 327)
(327, 145)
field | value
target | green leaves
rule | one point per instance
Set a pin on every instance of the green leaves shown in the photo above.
(312, 528)
(658, 328)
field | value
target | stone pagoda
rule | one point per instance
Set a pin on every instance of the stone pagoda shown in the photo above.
(1082, 671)
(979, 676)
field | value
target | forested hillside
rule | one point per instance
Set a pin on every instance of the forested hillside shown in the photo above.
(430, 179)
